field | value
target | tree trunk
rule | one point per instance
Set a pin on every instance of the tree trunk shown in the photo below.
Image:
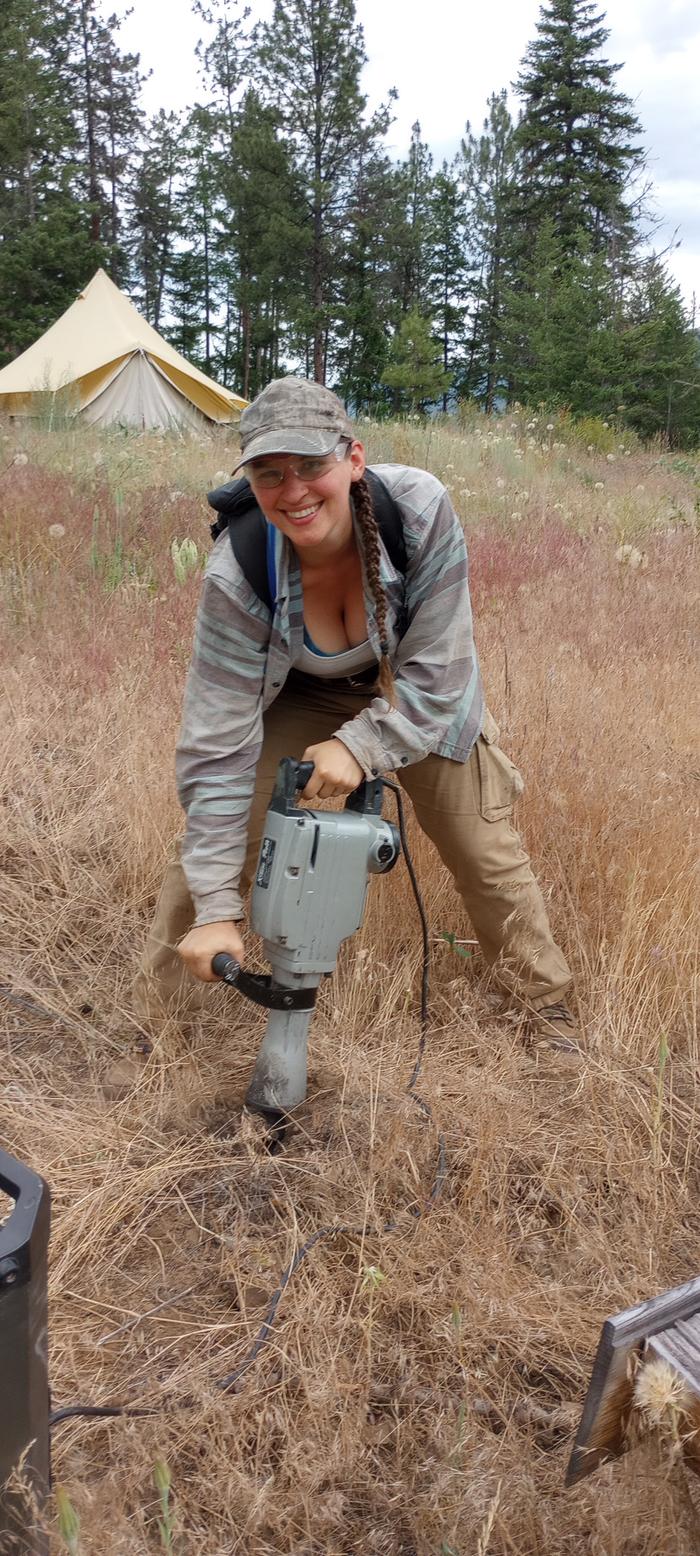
(91, 118)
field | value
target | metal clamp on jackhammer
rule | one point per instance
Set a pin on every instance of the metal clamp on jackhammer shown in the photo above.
(309, 895)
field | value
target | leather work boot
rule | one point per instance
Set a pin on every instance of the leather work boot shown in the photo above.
(555, 1031)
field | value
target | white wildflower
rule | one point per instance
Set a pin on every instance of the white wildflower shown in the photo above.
(219, 476)
(517, 516)
(599, 486)
(500, 482)
(632, 557)
(610, 458)
(21, 459)
(57, 531)
(550, 426)
(175, 496)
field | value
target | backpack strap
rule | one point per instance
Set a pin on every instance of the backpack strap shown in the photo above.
(249, 531)
(389, 518)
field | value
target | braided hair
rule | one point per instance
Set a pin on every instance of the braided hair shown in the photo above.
(369, 530)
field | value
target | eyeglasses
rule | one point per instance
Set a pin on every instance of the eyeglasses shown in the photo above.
(267, 477)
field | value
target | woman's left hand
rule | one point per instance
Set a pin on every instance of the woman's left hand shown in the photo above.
(335, 770)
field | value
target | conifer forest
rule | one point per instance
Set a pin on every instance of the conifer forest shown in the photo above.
(268, 229)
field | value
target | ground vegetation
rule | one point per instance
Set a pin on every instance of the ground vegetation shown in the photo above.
(421, 1388)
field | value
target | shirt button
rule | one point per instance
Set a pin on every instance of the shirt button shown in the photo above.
(404, 760)
(375, 772)
(275, 685)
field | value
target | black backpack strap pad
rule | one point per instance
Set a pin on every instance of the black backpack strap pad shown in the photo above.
(388, 516)
(239, 513)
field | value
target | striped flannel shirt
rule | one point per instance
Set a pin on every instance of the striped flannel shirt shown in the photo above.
(243, 653)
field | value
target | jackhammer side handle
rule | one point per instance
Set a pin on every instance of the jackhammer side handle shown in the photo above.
(226, 967)
(260, 988)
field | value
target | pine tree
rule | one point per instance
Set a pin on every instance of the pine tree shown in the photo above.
(489, 170)
(413, 373)
(559, 346)
(193, 284)
(265, 246)
(108, 88)
(661, 360)
(152, 214)
(119, 82)
(260, 246)
(578, 135)
(412, 241)
(46, 254)
(311, 56)
(366, 285)
(449, 279)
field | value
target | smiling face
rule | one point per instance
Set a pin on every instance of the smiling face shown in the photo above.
(315, 515)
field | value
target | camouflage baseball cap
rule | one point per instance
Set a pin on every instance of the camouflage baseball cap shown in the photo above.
(293, 416)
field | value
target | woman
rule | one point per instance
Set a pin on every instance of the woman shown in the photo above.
(361, 671)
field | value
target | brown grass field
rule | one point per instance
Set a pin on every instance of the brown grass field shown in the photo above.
(421, 1389)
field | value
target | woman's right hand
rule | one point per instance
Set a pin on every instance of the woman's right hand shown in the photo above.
(204, 941)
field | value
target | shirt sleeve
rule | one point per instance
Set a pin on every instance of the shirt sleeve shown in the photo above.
(435, 665)
(218, 749)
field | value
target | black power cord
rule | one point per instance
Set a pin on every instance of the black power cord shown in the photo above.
(230, 1382)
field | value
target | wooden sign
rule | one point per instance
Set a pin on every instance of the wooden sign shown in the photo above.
(667, 1326)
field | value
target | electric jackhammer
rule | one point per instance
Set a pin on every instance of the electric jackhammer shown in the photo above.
(309, 895)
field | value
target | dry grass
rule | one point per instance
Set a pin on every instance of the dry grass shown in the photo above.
(428, 1408)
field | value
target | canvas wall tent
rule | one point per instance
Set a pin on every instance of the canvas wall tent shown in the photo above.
(112, 368)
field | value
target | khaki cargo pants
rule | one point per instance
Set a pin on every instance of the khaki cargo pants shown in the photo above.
(465, 808)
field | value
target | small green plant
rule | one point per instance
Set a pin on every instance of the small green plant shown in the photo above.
(68, 1522)
(455, 946)
(162, 1481)
(372, 1277)
(109, 565)
(185, 559)
(596, 435)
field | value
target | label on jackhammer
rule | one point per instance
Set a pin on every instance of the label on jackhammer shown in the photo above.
(267, 854)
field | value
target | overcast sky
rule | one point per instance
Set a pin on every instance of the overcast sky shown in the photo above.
(445, 57)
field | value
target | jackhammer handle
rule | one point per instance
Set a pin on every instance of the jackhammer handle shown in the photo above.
(225, 967)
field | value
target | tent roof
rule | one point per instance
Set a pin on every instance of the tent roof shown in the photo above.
(99, 328)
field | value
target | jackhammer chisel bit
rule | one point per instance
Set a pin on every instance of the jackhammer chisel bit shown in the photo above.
(309, 895)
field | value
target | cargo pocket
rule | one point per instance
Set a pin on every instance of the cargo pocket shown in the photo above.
(500, 783)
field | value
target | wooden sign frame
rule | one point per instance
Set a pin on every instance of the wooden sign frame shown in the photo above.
(662, 1325)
